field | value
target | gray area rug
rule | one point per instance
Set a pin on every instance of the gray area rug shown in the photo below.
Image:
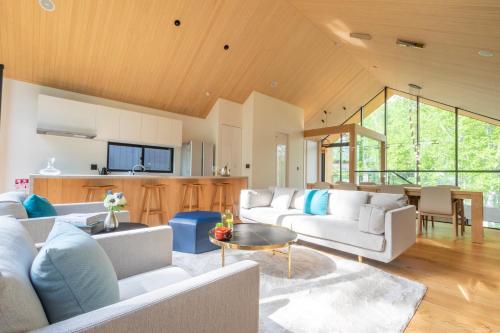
(326, 293)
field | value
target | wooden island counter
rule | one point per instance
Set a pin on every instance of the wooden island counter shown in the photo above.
(70, 188)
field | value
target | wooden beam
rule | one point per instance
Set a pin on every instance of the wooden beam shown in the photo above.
(363, 131)
(322, 132)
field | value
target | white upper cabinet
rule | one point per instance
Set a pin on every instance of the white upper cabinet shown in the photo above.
(130, 127)
(230, 148)
(66, 115)
(107, 123)
(149, 129)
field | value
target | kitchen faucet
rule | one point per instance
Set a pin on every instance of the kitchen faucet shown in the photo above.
(135, 166)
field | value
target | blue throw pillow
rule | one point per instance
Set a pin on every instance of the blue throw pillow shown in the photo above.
(72, 274)
(37, 206)
(316, 202)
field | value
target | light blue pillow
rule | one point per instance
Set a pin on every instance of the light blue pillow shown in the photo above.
(72, 274)
(316, 202)
(37, 206)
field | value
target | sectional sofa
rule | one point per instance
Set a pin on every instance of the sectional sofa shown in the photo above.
(341, 228)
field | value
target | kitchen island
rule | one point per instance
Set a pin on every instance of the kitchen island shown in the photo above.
(70, 188)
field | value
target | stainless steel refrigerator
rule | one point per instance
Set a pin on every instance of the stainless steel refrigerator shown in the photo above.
(197, 158)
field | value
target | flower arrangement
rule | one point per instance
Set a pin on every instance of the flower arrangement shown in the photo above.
(114, 202)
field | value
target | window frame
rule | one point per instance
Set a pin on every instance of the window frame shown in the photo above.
(143, 147)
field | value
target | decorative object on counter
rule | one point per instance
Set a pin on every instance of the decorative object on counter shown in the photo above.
(104, 171)
(50, 170)
(225, 171)
(113, 202)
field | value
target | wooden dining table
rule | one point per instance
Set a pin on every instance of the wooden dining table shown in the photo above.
(476, 197)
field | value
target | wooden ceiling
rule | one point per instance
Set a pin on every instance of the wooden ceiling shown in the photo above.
(449, 68)
(131, 51)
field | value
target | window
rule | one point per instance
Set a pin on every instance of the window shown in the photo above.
(123, 157)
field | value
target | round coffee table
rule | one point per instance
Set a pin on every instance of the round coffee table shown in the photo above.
(258, 236)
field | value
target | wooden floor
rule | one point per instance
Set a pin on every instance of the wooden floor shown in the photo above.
(463, 280)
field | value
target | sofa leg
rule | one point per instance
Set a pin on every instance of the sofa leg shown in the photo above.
(360, 259)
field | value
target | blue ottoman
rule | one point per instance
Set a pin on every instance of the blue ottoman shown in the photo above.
(191, 231)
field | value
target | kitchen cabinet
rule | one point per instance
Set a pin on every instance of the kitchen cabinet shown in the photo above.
(107, 123)
(149, 129)
(63, 114)
(130, 127)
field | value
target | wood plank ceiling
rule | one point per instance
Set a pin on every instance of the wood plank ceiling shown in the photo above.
(131, 51)
(449, 68)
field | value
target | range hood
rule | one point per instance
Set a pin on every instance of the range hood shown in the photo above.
(68, 133)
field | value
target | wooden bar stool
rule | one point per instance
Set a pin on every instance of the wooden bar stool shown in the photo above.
(91, 191)
(191, 196)
(150, 191)
(222, 192)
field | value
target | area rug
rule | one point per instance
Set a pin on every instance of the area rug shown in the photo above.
(325, 294)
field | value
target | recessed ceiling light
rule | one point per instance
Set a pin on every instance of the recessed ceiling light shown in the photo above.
(207, 93)
(47, 5)
(360, 35)
(177, 23)
(485, 53)
(226, 47)
(274, 84)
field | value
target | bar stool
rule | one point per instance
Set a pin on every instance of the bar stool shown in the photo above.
(221, 195)
(191, 191)
(91, 191)
(149, 192)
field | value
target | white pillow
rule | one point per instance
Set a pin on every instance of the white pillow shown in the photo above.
(298, 200)
(372, 217)
(382, 199)
(282, 198)
(345, 205)
(256, 198)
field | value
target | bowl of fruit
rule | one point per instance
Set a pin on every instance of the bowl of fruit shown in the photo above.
(222, 233)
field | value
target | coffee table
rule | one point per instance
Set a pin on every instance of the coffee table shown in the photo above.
(258, 236)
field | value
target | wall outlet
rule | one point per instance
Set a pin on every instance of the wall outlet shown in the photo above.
(247, 166)
(93, 167)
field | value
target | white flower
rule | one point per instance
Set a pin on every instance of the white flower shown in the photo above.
(115, 201)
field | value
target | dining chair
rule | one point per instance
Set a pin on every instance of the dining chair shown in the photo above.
(436, 201)
(460, 207)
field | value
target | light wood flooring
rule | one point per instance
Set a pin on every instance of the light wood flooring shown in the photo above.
(463, 280)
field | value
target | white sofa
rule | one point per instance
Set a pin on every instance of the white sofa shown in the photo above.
(39, 228)
(339, 229)
(155, 296)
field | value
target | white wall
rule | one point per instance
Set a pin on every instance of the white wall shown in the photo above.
(270, 116)
(23, 152)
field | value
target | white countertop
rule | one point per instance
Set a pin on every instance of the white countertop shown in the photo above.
(139, 175)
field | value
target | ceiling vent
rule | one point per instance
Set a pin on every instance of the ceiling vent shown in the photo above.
(360, 35)
(409, 43)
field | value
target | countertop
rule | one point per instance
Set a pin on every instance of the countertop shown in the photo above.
(138, 176)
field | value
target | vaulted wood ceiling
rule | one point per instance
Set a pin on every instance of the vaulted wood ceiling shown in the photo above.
(131, 51)
(449, 68)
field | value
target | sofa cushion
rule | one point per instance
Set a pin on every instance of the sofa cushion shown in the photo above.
(372, 217)
(342, 231)
(255, 198)
(72, 274)
(384, 199)
(268, 215)
(146, 282)
(282, 198)
(11, 203)
(298, 200)
(37, 206)
(345, 205)
(20, 308)
(316, 202)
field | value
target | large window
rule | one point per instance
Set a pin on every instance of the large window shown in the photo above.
(123, 157)
(428, 143)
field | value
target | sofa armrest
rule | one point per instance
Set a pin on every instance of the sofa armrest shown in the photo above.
(38, 228)
(223, 300)
(80, 207)
(400, 232)
(137, 251)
